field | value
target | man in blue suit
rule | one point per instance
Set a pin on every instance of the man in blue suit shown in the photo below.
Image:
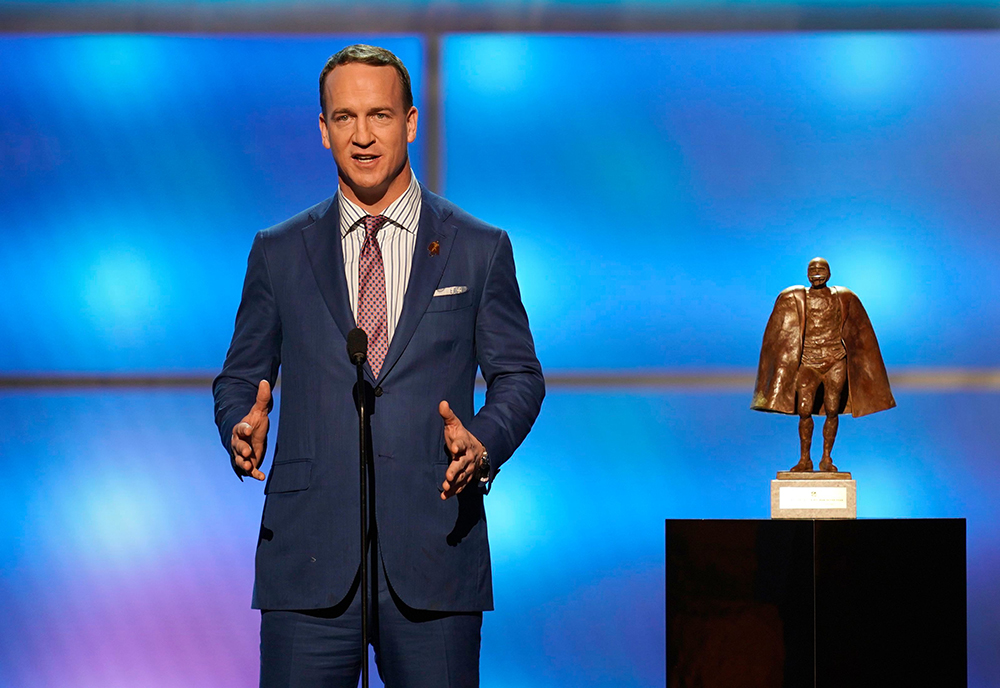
(436, 292)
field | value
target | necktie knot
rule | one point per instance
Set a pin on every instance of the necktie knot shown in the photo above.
(373, 223)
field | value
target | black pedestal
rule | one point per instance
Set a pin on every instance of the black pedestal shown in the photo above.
(826, 604)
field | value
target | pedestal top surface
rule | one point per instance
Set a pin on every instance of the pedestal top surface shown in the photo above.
(813, 475)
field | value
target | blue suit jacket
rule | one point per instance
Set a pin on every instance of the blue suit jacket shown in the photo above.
(295, 315)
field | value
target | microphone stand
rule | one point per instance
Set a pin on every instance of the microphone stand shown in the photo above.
(364, 524)
(357, 349)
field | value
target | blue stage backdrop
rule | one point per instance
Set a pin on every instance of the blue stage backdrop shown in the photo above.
(488, 7)
(136, 171)
(126, 558)
(662, 189)
(659, 191)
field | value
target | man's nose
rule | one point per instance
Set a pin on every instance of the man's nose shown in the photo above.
(363, 136)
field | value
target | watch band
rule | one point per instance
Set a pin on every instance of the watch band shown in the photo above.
(484, 467)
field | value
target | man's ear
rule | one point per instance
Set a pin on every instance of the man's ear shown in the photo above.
(323, 131)
(411, 125)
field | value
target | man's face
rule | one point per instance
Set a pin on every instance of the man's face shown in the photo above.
(819, 273)
(365, 125)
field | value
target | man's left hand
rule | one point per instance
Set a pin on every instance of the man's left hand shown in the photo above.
(465, 452)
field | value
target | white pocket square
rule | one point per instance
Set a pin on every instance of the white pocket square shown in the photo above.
(449, 291)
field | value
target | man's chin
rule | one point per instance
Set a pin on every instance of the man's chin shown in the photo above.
(365, 184)
(368, 184)
(367, 179)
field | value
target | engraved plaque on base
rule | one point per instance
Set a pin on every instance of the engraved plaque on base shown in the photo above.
(814, 495)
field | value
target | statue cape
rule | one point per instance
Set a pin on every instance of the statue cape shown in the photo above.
(781, 351)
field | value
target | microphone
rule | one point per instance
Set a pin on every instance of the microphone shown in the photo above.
(357, 345)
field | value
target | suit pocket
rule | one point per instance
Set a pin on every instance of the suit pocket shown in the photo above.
(452, 302)
(289, 476)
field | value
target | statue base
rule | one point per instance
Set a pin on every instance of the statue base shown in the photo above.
(864, 603)
(814, 494)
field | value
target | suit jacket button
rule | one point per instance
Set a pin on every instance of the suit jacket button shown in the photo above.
(378, 391)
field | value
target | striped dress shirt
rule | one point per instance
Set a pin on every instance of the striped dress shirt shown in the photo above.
(397, 238)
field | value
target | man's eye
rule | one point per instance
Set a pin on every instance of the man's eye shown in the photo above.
(381, 115)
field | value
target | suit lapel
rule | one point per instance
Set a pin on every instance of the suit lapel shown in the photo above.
(425, 274)
(326, 257)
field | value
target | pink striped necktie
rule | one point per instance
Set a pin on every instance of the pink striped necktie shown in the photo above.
(371, 293)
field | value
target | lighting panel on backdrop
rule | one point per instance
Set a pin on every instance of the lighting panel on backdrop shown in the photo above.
(661, 191)
(136, 170)
(126, 558)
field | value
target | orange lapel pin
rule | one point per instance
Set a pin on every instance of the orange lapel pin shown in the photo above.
(434, 248)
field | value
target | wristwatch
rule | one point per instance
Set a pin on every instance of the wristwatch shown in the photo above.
(484, 468)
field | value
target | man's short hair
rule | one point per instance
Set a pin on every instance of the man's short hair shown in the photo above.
(369, 55)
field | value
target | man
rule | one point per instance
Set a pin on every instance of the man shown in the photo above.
(820, 338)
(435, 290)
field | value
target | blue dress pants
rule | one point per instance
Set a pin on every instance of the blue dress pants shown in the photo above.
(413, 648)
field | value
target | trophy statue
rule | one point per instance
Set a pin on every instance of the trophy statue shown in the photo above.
(819, 356)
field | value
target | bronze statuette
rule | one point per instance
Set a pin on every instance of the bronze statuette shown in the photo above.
(820, 356)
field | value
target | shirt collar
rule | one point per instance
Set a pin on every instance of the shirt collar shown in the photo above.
(404, 212)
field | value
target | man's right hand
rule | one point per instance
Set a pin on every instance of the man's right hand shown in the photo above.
(249, 441)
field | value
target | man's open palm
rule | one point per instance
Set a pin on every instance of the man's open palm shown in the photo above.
(249, 441)
(463, 448)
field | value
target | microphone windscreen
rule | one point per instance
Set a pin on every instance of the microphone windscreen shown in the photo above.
(357, 345)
